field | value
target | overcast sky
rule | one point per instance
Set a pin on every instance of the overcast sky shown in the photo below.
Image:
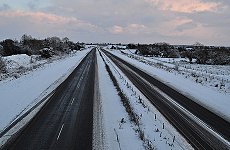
(119, 21)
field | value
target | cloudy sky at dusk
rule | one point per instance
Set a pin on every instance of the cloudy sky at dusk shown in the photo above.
(119, 21)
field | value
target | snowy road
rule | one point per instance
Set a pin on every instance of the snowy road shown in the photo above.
(182, 119)
(66, 121)
(87, 111)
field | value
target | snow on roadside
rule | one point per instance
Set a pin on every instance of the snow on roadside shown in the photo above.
(19, 95)
(216, 77)
(21, 64)
(17, 60)
(213, 100)
(117, 134)
(156, 129)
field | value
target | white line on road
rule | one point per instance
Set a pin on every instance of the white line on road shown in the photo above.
(72, 101)
(60, 131)
(78, 85)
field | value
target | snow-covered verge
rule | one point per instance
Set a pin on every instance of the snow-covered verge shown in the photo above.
(18, 95)
(216, 77)
(217, 101)
(21, 64)
(117, 134)
(152, 129)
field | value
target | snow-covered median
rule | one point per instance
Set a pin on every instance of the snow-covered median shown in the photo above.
(19, 95)
(214, 100)
(117, 134)
(132, 112)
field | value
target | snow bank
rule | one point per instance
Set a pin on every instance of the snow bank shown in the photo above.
(19, 60)
(117, 134)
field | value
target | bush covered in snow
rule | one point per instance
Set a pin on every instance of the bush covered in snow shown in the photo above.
(1, 48)
(46, 53)
(33, 46)
(17, 58)
(158, 49)
(10, 47)
(212, 55)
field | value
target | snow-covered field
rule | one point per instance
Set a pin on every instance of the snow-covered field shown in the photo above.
(207, 85)
(150, 131)
(21, 92)
(21, 64)
(216, 77)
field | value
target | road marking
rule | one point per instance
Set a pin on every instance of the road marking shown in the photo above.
(78, 85)
(60, 131)
(72, 101)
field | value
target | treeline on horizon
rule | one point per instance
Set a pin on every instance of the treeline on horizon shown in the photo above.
(203, 54)
(45, 47)
(56, 46)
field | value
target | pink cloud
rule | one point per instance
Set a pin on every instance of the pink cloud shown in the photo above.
(47, 18)
(198, 31)
(130, 28)
(135, 28)
(116, 29)
(185, 6)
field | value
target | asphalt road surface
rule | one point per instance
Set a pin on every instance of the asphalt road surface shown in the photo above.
(66, 121)
(196, 134)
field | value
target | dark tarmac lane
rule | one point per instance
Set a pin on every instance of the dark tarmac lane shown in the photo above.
(66, 121)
